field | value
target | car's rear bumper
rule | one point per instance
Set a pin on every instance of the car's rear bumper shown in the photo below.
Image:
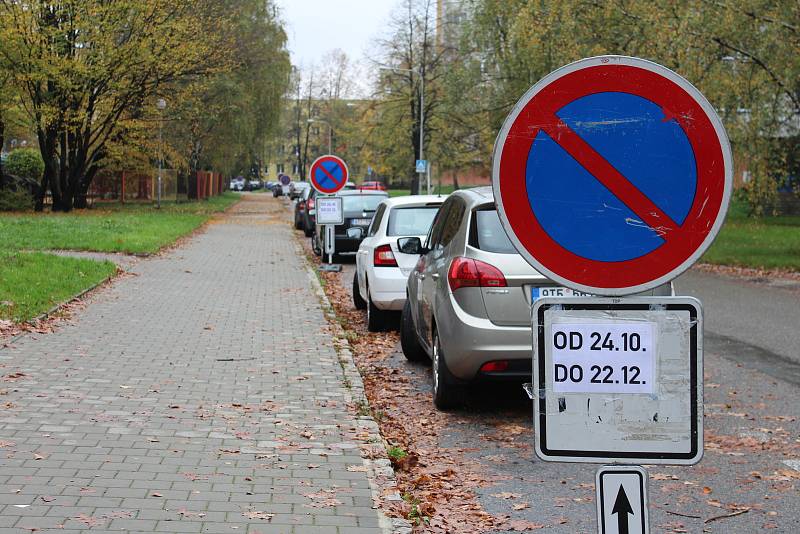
(387, 288)
(469, 342)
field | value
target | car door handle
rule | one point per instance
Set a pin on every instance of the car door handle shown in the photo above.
(435, 276)
(421, 276)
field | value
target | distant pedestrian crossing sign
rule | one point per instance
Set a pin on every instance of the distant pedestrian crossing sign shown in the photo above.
(612, 175)
(422, 166)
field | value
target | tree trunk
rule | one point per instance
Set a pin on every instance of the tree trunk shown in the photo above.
(80, 200)
(2, 142)
(455, 181)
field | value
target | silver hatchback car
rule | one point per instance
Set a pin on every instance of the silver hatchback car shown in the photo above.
(469, 298)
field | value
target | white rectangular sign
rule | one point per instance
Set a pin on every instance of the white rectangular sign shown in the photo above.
(618, 379)
(621, 492)
(603, 358)
(329, 210)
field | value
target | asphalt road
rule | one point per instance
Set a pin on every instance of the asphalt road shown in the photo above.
(752, 459)
(752, 321)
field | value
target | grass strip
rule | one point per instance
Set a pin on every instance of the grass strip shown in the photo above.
(31, 283)
(757, 242)
(133, 229)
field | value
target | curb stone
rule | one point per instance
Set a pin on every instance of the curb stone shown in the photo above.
(373, 453)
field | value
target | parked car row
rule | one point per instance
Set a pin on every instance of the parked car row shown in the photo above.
(463, 290)
(240, 184)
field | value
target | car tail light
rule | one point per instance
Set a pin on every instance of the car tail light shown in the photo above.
(466, 272)
(310, 203)
(384, 257)
(495, 367)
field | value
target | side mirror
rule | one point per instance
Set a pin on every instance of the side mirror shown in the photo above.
(411, 245)
(355, 233)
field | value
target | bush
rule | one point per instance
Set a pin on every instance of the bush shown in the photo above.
(25, 163)
(18, 200)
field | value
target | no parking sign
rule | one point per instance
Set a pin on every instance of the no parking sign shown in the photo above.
(328, 174)
(612, 175)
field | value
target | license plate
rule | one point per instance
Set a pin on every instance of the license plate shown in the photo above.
(361, 222)
(539, 292)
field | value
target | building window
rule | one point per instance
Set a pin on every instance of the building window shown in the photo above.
(295, 169)
(279, 168)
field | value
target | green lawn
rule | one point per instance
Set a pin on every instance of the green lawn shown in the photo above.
(765, 242)
(33, 282)
(130, 228)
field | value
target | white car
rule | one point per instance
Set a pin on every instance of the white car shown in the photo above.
(379, 283)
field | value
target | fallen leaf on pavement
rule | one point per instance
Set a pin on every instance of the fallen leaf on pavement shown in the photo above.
(506, 495)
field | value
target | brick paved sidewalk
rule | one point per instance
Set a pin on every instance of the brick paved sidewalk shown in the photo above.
(201, 395)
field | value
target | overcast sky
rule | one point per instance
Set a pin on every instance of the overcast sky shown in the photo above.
(319, 26)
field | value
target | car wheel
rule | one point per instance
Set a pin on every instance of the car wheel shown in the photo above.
(315, 246)
(376, 318)
(308, 231)
(358, 302)
(409, 341)
(446, 393)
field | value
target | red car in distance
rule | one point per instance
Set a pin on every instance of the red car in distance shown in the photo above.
(372, 186)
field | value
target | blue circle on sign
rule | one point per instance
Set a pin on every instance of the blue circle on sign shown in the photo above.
(332, 175)
(646, 146)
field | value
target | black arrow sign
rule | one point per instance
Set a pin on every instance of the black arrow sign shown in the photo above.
(622, 507)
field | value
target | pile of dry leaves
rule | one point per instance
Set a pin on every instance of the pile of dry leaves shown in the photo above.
(438, 484)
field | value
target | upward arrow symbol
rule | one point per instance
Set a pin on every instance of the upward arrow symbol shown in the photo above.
(622, 507)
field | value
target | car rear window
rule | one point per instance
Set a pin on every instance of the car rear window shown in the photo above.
(486, 233)
(411, 221)
(361, 202)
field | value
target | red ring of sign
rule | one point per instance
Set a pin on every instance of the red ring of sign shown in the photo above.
(318, 163)
(681, 242)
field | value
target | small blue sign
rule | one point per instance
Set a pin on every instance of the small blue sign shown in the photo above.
(422, 165)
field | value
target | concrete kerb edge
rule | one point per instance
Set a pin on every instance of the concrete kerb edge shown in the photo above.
(379, 469)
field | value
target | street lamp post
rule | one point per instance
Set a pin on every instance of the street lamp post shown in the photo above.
(421, 118)
(330, 132)
(161, 104)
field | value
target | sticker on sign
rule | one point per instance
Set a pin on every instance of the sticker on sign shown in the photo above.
(329, 210)
(603, 358)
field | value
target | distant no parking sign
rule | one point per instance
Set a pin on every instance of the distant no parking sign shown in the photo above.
(612, 175)
(328, 174)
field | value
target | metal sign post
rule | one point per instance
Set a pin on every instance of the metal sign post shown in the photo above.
(612, 176)
(328, 175)
(329, 214)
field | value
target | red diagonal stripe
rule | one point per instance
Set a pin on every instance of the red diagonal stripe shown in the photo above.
(323, 169)
(611, 178)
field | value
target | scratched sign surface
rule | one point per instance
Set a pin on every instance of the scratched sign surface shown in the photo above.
(612, 175)
(618, 380)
